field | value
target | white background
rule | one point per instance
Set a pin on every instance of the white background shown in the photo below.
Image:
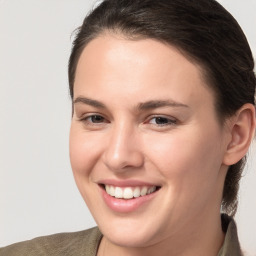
(38, 195)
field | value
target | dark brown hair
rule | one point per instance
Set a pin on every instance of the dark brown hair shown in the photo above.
(204, 32)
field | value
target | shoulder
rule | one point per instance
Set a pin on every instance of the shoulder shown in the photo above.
(76, 243)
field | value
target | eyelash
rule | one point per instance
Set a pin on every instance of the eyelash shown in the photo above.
(168, 121)
(86, 119)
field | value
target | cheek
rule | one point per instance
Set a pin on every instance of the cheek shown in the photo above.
(83, 151)
(83, 157)
(186, 156)
(189, 166)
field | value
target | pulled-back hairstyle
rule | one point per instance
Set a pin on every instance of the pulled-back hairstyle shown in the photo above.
(204, 32)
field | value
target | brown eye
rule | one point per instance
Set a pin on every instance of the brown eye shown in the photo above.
(96, 119)
(161, 121)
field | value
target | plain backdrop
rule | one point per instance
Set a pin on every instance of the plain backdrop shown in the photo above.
(38, 195)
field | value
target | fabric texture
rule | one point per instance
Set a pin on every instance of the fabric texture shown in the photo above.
(82, 243)
(231, 245)
(86, 243)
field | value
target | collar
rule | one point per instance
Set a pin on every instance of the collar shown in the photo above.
(231, 244)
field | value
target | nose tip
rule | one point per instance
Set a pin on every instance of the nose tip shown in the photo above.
(123, 152)
(118, 162)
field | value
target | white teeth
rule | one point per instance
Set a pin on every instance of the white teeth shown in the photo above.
(144, 191)
(107, 189)
(118, 193)
(151, 190)
(129, 192)
(136, 192)
(111, 191)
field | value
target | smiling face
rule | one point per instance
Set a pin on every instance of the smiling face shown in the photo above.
(144, 128)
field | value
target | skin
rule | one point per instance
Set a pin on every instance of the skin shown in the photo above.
(185, 154)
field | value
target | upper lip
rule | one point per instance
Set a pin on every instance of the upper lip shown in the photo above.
(126, 183)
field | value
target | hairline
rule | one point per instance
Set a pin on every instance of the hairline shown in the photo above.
(204, 73)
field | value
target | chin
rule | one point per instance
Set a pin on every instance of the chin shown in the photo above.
(130, 233)
(133, 239)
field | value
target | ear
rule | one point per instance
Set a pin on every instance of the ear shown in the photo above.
(242, 128)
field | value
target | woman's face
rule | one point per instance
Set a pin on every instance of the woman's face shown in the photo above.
(145, 128)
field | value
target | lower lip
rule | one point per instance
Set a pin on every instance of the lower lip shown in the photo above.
(126, 205)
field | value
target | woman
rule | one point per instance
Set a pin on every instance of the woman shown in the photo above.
(163, 115)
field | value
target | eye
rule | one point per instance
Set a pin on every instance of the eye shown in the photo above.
(161, 121)
(93, 119)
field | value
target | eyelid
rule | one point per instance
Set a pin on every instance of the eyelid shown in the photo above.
(85, 117)
(171, 120)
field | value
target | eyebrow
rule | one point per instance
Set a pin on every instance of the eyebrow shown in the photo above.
(160, 103)
(90, 102)
(151, 104)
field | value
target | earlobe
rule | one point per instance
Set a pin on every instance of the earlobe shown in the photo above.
(242, 131)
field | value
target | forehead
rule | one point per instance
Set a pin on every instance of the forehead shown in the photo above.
(112, 65)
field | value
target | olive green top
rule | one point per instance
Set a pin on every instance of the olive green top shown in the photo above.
(231, 245)
(82, 243)
(85, 243)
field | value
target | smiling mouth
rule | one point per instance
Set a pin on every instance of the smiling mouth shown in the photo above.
(129, 192)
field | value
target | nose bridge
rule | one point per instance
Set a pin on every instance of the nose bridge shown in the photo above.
(123, 148)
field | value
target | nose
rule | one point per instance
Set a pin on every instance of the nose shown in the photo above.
(123, 151)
